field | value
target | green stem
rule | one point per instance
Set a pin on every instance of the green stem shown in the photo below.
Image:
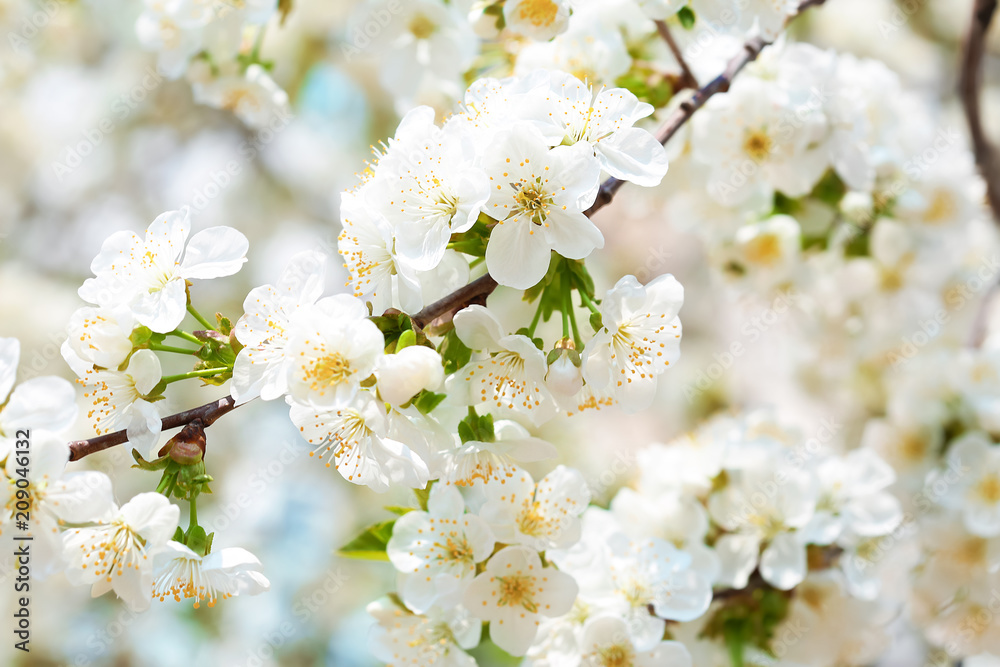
(476, 262)
(587, 301)
(473, 414)
(201, 320)
(534, 320)
(258, 43)
(193, 516)
(207, 372)
(185, 335)
(572, 321)
(169, 348)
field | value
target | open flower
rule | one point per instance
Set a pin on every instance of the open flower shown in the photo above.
(607, 642)
(117, 554)
(640, 339)
(537, 19)
(155, 269)
(181, 573)
(538, 196)
(46, 401)
(333, 348)
(368, 247)
(513, 592)
(483, 462)
(543, 517)
(604, 121)
(262, 365)
(437, 551)
(427, 186)
(972, 483)
(772, 519)
(119, 399)
(354, 437)
(433, 640)
(97, 338)
(55, 496)
(512, 376)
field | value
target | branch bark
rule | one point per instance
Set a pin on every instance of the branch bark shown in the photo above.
(479, 289)
(970, 82)
(207, 413)
(688, 78)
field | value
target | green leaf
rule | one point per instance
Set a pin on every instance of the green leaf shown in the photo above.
(466, 432)
(141, 335)
(196, 540)
(453, 352)
(596, 321)
(143, 464)
(426, 401)
(687, 17)
(734, 632)
(406, 339)
(399, 510)
(371, 544)
(423, 494)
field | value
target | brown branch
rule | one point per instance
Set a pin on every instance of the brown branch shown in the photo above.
(688, 79)
(970, 81)
(207, 413)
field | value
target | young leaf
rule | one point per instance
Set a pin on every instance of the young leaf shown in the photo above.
(371, 544)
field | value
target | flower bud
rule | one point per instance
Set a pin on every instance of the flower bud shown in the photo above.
(403, 375)
(564, 377)
(187, 447)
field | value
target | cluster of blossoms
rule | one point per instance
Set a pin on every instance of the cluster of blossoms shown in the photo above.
(427, 48)
(210, 43)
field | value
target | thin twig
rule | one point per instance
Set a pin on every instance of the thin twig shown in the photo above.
(207, 413)
(688, 79)
(970, 81)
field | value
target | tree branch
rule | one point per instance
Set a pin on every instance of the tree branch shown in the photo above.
(970, 81)
(479, 289)
(207, 413)
(688, 78)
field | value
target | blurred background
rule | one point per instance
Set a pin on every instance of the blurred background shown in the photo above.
(72, 74)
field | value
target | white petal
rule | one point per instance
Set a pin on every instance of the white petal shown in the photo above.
(214, 252)
(43, 402)
(783, 563)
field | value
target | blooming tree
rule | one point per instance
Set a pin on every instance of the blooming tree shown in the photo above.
(520, 120)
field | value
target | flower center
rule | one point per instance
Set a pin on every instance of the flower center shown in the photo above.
(538, 12)
(532, 201)
(517, 590)
(764, 249)
(422, 27)
(183, 578)
(758, 145)
(112, 548)
(942, 208)
(455, 550)
(531, 522)
(617, 655)
(329, 370)
(988, 488)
